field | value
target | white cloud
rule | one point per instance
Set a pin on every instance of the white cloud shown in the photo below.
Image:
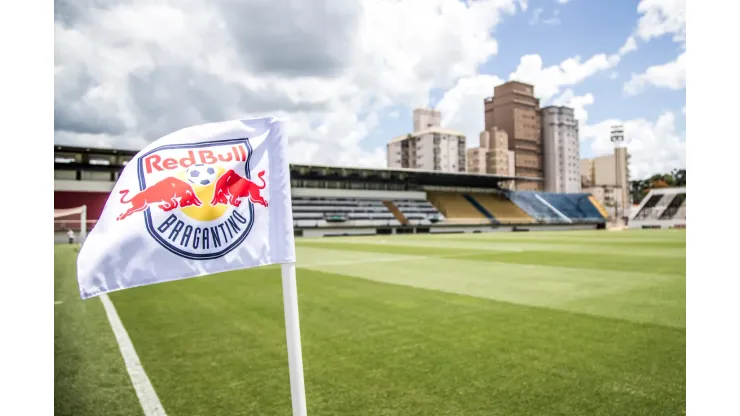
(629, 46)
(614, 75)
(549, 80)
(671, 75)
(658, 18)
(127, 73)
(562, 1)
(536, 15)
(462, 105)
(654, 147)
(577, 102)
(661, 17)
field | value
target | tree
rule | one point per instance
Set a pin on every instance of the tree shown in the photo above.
(659, 183)
(640, 187)
(680, 176)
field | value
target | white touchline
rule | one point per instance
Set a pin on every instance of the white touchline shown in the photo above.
(147, 396)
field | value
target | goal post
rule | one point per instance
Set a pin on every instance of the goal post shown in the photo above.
(74, 219)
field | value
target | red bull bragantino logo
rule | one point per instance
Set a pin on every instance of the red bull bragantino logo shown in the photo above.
(197, 200)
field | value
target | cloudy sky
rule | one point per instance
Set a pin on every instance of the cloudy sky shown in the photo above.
(345, 74)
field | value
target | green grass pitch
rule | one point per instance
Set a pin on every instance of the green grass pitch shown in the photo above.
(540, 323)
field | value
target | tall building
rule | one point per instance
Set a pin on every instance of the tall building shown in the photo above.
(560, 150)
(425, 118)
(515, 110)
(477, 159)
(429, 147)
(492, 156)
(608, 170)
(607, 178)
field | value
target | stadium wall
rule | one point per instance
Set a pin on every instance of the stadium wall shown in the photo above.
(434, 229)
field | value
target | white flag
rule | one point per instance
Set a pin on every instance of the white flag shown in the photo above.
(202, 200)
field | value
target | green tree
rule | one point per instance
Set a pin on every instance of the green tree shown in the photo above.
(640, 187)
(680, 176)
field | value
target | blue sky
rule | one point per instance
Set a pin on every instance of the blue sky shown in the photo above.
(579, 28)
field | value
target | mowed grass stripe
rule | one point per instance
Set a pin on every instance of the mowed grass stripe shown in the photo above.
(591, 291)
(216, 345)
(630, 243)
(506, 245)
(615, 260)
(90, 377)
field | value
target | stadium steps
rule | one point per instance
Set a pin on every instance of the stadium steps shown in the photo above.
(533, 207)
(479, 207)
(396, 212)
(664, 203)
(455, 208)
(598, 206)
(681, 213)
(503, 209)
(674, 207)
(647, 207)
(552, 207)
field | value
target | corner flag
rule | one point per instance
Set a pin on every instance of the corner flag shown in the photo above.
(205, 199)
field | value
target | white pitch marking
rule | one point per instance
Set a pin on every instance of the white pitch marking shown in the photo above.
(144, 390)
(57, 302)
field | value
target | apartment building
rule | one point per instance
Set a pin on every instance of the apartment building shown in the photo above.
(515, 110)
(608, 179)
(492, 156)
(426, 118)
(429, 146)
(560, 150)
(432, 149)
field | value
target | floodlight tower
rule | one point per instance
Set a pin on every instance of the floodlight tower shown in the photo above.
(620, 168)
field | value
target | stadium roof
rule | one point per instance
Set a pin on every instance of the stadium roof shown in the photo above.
(418, 172)
(329, 172)
(97, 151)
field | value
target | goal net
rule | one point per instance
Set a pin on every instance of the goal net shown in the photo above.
(71, 219)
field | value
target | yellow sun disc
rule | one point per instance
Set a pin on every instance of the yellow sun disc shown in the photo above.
(205, 212)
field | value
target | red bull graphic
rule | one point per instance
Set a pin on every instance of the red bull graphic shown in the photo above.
(231, 187)
(169, 193)
(176, 180)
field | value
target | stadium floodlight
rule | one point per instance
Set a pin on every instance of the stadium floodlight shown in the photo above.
(617, 138)
(617, 135)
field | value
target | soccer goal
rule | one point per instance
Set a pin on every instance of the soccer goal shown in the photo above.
(70, 223)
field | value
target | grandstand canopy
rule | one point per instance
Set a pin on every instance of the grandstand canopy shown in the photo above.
(113, 160)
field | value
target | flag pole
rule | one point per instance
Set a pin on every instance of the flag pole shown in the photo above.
(293, 336)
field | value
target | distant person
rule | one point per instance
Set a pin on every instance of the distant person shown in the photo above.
(71, 236)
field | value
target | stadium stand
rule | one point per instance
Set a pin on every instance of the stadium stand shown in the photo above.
(502, 209)
(456, 208)
(599, 207)
(320, 211)
(573, 206)
(416, 211)
(676, 208)
(330, 200)
(535, 208)
(661, 208)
